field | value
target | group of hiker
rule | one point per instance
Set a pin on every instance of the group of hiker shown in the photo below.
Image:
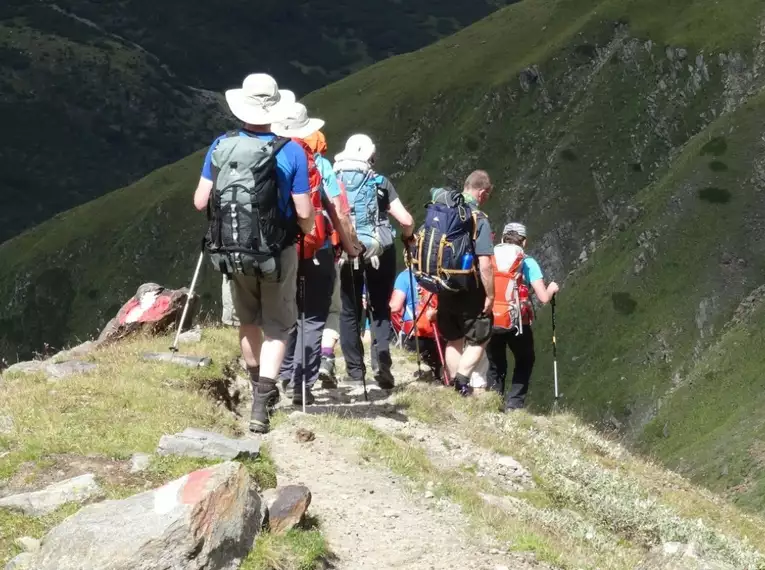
(308, 254)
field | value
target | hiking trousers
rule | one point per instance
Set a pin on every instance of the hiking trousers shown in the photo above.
(380, 288)
(320, 277)
(522, 347)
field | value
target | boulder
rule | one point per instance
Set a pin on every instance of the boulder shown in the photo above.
(21, 562)
(183, 360)
(288, 508)
(153, 309)
(190, 337)
(208, 445)
(207, 520)
(54, 370)
(678, 556)
(47, 500)
(139, 462)
(27, 544)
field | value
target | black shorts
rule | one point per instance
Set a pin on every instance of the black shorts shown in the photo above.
(455, 323)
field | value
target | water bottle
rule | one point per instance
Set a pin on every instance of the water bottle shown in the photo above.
(466, 261)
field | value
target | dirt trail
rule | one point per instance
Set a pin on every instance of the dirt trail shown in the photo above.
(372, 518)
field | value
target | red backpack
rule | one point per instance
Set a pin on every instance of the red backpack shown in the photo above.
(314, 241)
(512, 304)
(424, 326)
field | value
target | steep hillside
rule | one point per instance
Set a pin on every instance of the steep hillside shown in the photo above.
(130, 82)
(627, 134)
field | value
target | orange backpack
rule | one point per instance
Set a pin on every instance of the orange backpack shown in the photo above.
(512, 304)
(316, 239)
(424, 326)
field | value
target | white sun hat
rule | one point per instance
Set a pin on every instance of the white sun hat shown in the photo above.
(297, 124)
(357, 148)
(516, 227)
(260, 101)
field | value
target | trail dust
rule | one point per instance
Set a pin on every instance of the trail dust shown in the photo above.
(372, 517)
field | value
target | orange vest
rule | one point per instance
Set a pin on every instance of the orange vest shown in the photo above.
(512, 305)
(316, 239)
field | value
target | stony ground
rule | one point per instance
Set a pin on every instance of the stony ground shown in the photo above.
(372, 517)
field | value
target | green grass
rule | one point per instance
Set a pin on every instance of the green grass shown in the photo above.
(298, 549)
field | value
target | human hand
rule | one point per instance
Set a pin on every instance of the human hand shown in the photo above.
(488, 306)
(553, 288)
(430, 314)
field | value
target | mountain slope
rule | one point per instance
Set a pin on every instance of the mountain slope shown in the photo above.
(130, 83)
(627, 135)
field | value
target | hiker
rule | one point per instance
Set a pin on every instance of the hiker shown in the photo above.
(262, 264)
(372, 199)
(426, 305)
(317, 265)
(461, 273)
(515, 274)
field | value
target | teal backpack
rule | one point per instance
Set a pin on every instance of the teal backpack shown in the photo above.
(362, 190)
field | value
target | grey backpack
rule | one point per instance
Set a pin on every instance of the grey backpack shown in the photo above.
(247, 230)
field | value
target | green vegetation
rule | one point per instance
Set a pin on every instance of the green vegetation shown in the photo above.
(96, 421)
(102, 97)
(298, 549)
(605, 125)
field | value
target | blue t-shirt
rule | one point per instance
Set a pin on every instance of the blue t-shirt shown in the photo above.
(291, 170)
(531, 270)
(329, 180)
(404, 284)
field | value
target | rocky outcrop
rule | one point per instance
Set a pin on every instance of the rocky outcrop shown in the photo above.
(287, 507)
(207, 520)
(153, 309)
(47, 500)
(208, 445)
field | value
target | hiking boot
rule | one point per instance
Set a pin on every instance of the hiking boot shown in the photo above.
(262, 401)
(287, 384)
(385, 380)
(353, 381)
(297, 397)
(327, 373)
(463, 390)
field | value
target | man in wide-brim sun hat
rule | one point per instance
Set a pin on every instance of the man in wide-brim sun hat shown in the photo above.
(263, 296)
(317, 262)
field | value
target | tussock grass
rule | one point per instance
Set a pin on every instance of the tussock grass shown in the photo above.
(299, 549)
(582, 472)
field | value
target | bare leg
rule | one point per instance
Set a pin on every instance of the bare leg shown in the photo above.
(251, 339)
(471, 356)
(271, 356)
(453, 355)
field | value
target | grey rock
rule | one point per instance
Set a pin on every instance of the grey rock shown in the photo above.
(6, 425)
(678, 556)
(209, 445)
(59, 370)
(289, 508)
(27, 367)
(75, 352)
(207, 520)
(27, 544)
(139, 462)
(23, 561)
(183, 360)
(191, 337)
(43, 502)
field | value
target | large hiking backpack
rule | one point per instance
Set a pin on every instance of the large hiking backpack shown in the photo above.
(314, 241)
(362, 190)
(443, 254)
(512, 304)
(247, 230)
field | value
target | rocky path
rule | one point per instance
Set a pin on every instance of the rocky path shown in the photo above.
(373, 518)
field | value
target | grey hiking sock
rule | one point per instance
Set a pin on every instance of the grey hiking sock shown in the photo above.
(254, 377)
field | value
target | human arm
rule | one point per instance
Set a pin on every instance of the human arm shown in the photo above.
(397, 210)
(202, 193)
(397, 301)
(544, 294)
(304, 212)
(484, 249)
(296, 178)
(487, 278)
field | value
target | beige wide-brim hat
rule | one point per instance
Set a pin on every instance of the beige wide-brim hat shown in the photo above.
(358, 147)
(297, 124)
(260, 101)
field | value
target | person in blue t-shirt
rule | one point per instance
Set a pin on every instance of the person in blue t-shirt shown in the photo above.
(520, 343)
(264, 304)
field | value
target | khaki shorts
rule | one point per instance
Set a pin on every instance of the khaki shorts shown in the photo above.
(229, 313)
(268, 303)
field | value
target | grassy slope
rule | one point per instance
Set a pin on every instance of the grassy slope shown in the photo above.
(607, 127)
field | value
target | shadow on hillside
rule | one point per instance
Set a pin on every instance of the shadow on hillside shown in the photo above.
(349, 402)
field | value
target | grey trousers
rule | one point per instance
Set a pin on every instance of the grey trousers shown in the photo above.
(320, 278)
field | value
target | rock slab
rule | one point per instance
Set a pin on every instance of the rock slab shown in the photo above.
(206, 520)
(139, 462)
(47, 500)
(27, 544)
(21, 562)
(289, 508)
(208, 445)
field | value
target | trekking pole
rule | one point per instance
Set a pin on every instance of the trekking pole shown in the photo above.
(555, 350)
(417, 320)
(414, 312)
(353, 264)
(447, 381)
(174, 347)
(302, 317)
